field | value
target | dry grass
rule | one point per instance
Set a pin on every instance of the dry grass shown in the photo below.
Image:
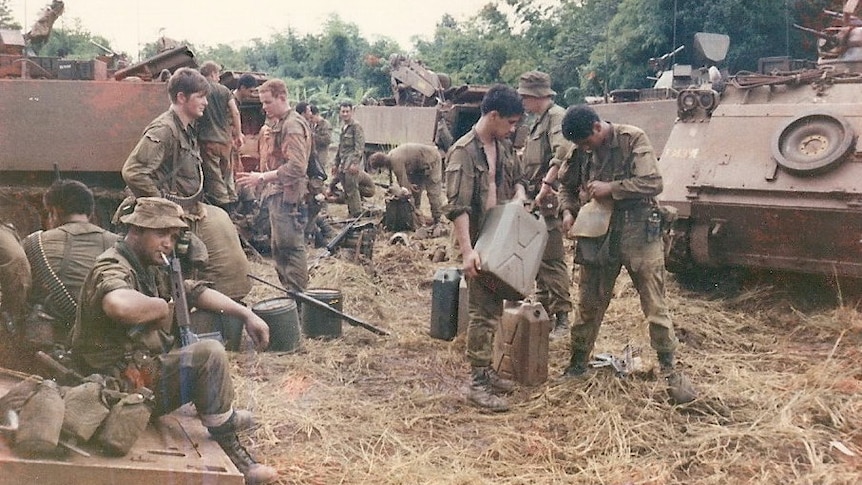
(778, 370)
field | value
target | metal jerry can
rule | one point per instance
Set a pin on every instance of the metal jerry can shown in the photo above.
(521, 344)
(444, 303)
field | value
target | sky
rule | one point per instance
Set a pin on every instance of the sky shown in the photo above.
(128, 24)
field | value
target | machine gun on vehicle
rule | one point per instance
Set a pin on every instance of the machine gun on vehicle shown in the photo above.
(300, 296)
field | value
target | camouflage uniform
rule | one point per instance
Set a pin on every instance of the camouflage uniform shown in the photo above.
(70, 251)
(166, 163)
(287, 145)
(197, 373)
(631, 167)
(420, 165)
(214, 133)
(544, 142)
(351, 153)
(467, 186)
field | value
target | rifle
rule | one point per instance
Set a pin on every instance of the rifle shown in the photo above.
(298, 295)
(181, 305)
(327, 251)
(63, 374)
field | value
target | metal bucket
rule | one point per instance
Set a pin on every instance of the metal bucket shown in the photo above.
(317, 322)
(283, 320)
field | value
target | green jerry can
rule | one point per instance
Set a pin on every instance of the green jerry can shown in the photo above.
(521, 344)
(510, 245)
(444, 303)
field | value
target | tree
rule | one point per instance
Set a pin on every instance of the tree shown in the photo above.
(6, 20)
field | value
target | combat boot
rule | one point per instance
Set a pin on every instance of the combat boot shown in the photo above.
(578, 367)
(254, 472)
(498, 383)
(481, 392)
(679, 387)
(561, 326)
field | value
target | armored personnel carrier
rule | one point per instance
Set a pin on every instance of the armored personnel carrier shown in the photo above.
(765, 170)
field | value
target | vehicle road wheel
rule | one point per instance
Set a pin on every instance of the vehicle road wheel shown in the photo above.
(813, 143)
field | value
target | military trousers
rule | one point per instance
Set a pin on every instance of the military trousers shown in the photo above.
(198, 373)
(553, 280)
(643, 258)
(227, 265)
(287, 222)
(485, 310)
(219, 184)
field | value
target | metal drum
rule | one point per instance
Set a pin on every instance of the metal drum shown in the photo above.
(283, 319)
(317, 322)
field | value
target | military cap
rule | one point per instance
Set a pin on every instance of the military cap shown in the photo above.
(155, 213)
(536, 84)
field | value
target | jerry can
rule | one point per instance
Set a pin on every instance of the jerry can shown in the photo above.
(510, 245)
(444, 303)
(521, 344)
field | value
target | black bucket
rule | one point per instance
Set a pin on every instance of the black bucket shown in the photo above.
(320, 323)
(283, 320)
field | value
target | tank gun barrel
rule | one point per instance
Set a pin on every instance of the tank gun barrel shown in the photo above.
(817, 33)
(106, 49)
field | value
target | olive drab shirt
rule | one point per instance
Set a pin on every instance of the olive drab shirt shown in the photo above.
(166, 161)
(286, 146)
(415, 162)
(630, 165)
(215, 124)
(351, 147)
(467, 182)
(322, 140)
(543, 143)
(70, 251)
(101, 343)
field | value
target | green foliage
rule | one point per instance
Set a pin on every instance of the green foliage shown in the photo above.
(73, 43)
(6, 20)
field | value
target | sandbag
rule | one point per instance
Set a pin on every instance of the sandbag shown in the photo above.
(85, 410)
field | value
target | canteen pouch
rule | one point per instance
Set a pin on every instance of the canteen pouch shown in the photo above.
(40, 422)
(125, 423)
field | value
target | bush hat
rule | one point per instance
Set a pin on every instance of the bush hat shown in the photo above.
(155, 213)
(536, 84)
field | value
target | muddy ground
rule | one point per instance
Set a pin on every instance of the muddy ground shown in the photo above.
(776, 359)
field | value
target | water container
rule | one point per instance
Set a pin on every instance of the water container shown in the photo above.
(283, 320)
(521, 343)
(510, 245)
(317, 322)
(444, 303)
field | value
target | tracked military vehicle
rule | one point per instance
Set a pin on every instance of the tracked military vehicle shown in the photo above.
(765, 170)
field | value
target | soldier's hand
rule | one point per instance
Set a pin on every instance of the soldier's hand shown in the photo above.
(568, 221)
(248, 179)
(472, 264)
(599, 190)
(257, 330)
(166, 322)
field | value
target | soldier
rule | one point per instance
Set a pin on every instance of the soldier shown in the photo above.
(124, 328)
(167, 163)
(219, 131)
(417, 167)
(544, 141)
(474, 184)
(286, 142)
(316, 229)
(615, 165)
(14, 285)
(350, 159)
(60, 259)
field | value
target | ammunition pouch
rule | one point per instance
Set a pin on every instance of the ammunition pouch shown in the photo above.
(86, 408)
(592, 251)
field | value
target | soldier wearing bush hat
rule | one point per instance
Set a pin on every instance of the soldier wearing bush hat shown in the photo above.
(543, 142)
(124, 310)
(155, 213)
